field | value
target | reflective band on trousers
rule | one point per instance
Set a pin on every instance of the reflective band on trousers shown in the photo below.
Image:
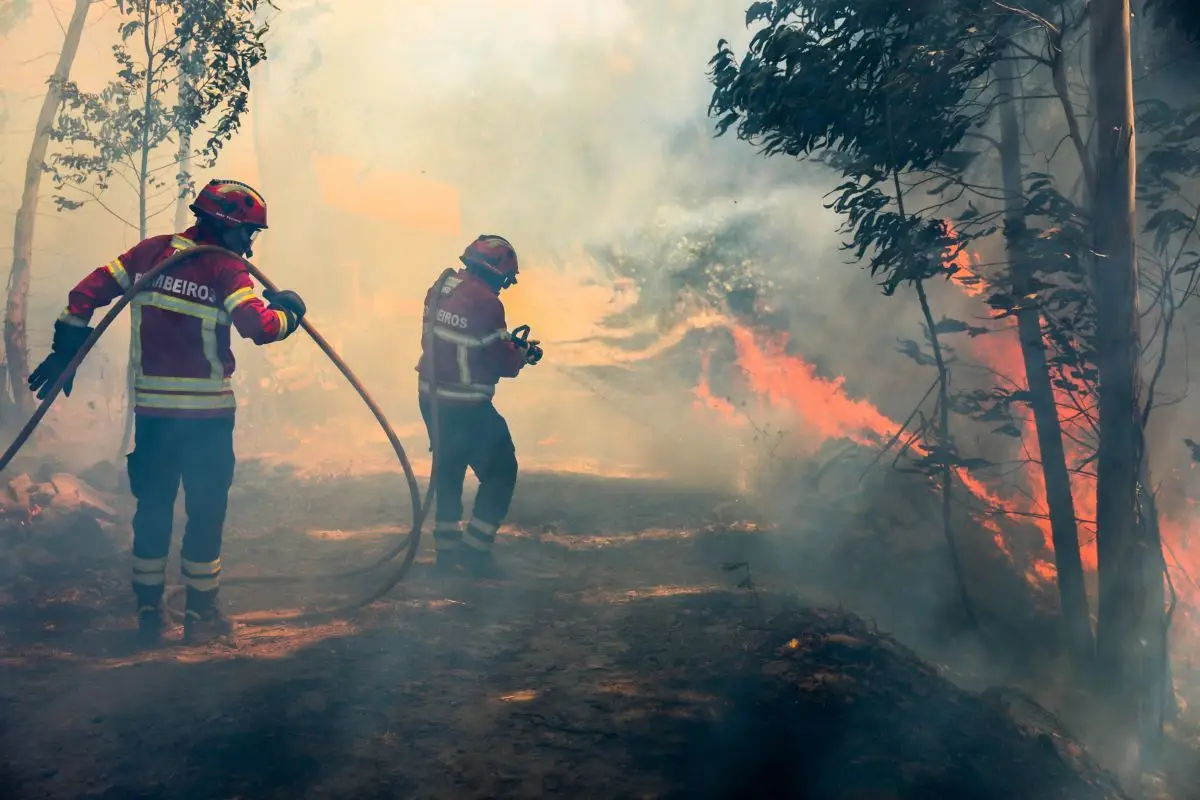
(203, 576)
(480, 535)
(150, 571)
(447, 535)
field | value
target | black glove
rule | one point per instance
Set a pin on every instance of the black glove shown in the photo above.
(533, 353)
(529, 347)
(67, 341)
(288, 302)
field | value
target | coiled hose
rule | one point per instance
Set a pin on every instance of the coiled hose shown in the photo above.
(406, 546)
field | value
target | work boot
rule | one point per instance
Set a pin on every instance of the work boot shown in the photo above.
(206, 626)
(152, 622)
(482, 565)
(447, 562)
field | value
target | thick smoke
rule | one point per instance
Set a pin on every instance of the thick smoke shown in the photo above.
(385, 136)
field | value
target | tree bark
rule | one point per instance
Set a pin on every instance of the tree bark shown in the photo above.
(183, 157)
(1072, 591)
(16, 341)
(1120, 542)
(143, 221)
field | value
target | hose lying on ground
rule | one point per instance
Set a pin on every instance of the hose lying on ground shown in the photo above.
(407, 546)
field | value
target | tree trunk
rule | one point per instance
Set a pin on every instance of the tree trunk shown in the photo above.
(183, 158)
(1072, 591)
(1120, 543)
(183, 161)
(944, 442)
(943, 434)
(16, 342)
(143, 227)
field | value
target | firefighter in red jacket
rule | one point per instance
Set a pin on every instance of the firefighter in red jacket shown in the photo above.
(474, 351)
(183, 398)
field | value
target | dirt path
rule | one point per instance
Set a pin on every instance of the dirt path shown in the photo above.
(582, 676)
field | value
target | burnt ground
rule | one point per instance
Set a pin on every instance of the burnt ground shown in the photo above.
(643, 647)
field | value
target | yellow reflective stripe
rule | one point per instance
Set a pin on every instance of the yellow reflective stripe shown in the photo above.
(117, 270)
(476, 392)
(456, 337)
(208, 339)
(70, 319)
(186, 402)
(181, 242)
(204, 584)
(149, 571)
(163, 383)
(487, 388)
(203, 576)
(284, 325)
(464, 364)
(199, 569)
(181, 306)
(486, 528)
(235, 299)
(135, 338)
(463, 339)
(149, 564)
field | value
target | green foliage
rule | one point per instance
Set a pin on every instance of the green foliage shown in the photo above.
(1182, 15)
(884, 94)
(720, 263)
(858, 85)
(213, 44)
(1172, 161)
(855, 76)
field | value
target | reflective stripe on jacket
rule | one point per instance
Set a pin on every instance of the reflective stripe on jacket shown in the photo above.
(180, 343)
(474, 348)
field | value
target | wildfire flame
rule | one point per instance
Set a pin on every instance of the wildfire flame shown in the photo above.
(825, 410)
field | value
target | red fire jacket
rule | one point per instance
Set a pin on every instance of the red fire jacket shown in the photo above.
(180, 349)
(474, 348)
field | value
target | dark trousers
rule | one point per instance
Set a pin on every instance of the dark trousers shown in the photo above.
(167, 451)
(472, 436)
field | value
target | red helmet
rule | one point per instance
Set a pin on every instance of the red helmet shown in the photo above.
(231, 202)
(493, 254)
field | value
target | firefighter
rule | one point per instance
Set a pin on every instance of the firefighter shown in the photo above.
(183, 398)
(474, 351)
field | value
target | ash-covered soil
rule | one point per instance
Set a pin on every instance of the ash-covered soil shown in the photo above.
(647, 644)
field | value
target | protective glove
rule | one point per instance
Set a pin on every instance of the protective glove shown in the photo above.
(67, 341)
(533, 354)
(289, 303)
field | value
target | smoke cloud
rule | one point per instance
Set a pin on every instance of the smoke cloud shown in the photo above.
(386, 136)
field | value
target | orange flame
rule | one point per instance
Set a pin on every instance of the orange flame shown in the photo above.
(825, 411)
(1003, 354)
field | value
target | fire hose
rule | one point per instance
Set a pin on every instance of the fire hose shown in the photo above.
(407, 545)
